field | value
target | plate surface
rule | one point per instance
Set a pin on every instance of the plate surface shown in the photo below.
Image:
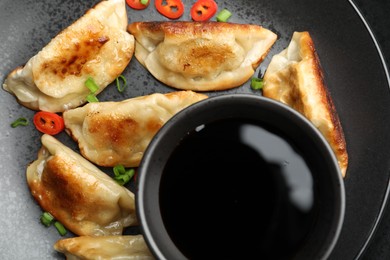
(354, 73)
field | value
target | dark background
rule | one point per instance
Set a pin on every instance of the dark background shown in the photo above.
(377, 15)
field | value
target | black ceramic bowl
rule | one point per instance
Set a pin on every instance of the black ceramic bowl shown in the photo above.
(238, 176)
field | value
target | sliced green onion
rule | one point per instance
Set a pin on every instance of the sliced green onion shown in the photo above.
(60, 228)
(92, 98)
(130, 172)
(144, 2)
(19, 122)
(122, 176)
(119, 170)
(47, 219)
(223, 15)
(257, 83)
(91, 85)
(122, 179)
(119, 86)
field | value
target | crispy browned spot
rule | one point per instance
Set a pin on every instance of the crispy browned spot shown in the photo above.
(113, 130)
(154, 125)
(70, 60)
(63, 188)
(179, 27)
(204, 54)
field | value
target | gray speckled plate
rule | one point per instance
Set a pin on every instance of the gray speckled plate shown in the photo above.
(353, 68)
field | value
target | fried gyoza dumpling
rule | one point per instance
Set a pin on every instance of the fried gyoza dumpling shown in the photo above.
(295, 78)
(128, 247)
(77, 193)
(201, 56)
(97, 45)
(112, 133)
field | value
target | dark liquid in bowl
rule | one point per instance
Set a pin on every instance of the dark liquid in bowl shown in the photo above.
(237, 190)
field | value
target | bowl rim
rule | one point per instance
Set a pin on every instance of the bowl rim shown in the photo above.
(216, 101)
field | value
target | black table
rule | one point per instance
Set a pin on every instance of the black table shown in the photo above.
(377, 15)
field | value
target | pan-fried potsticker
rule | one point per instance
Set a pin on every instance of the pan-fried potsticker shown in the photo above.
(96, 45)
(201, 56)
(295, 77)
(78, 194)
(127, 247)
(112, 133)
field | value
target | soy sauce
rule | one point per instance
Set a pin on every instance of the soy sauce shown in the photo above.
(236, 189)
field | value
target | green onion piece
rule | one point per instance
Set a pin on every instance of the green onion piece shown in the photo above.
(122, 179)
(19, 122)
(130, 173)
(257, 83)
(223, 15)
(119, 170)
(122, 176)
(91, 85)
(60, 228)
(92, 98)
(144, 2)
(119, 86)
(47, 219)
(119, 180)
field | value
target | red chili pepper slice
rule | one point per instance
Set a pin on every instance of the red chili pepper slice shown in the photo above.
(172, 9)
(48, 123)
(136, 4)
(203, 10)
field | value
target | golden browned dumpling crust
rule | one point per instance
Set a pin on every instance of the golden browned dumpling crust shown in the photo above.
(129, 247)
(112, 133)
(201, 56)
(295, 78)
(83, 198)
(96, 45)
